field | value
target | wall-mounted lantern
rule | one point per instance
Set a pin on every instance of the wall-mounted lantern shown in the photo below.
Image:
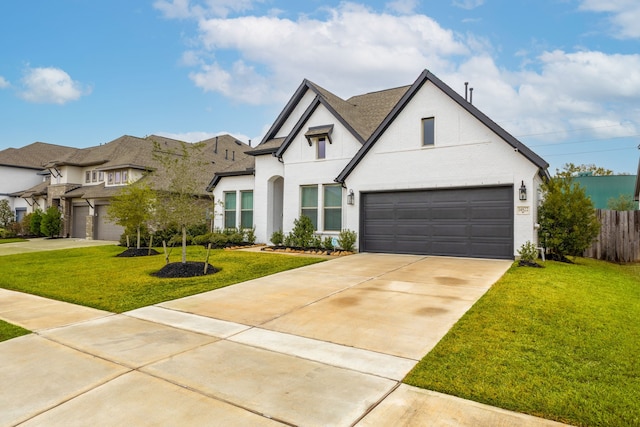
(351, 198)
(523, 192)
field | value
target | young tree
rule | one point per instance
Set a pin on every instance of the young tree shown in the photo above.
(624, 202)
(569, 170)
(183, 202)
(567, 218)
(6, 214)
(35, 222)
(51, 222)
(132, 208)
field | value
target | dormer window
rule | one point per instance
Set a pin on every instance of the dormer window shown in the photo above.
(319, 135)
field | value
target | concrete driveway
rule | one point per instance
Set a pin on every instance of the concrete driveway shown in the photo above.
(326, 344)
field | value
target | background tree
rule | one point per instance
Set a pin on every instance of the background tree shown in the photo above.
(132, 208)
(6, 214)
(624, 202)
(568, 224)
(35, 222)
(183, 200)
(51, 224)
(569, 170)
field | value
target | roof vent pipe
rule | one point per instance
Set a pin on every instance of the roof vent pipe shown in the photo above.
(470, 95)
(466, 91)
(249, 143)
(226, 154)
(233, 156)
(215, 150)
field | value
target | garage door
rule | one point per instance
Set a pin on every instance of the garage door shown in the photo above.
(466, 222)
(79, 227)
(106, 230)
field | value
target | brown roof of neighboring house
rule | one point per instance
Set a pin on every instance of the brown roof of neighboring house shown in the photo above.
(34, 156)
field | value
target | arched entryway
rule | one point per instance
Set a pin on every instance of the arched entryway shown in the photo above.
(275, 204)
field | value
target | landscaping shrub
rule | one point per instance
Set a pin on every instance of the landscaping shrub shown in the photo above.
(302, 233)
(277, 237)
(316, 241)
(51, 223)
(34, 223)
(250, 235)
(347, 240)
(327, 243)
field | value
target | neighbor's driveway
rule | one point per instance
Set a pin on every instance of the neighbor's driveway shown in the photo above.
(326, 344)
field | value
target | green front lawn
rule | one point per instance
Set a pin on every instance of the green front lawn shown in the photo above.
(561, 343)
(8, 331)
(95, 277)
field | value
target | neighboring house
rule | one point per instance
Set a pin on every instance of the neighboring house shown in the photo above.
(600, 189)
(82, 183)
(415, 169)
(22, 168)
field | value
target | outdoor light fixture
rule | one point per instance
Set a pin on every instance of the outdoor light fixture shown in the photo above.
(350, 198)
(523, 192)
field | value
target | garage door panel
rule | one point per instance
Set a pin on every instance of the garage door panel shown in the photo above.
(79, 227)
(106, 230)
(470, 222)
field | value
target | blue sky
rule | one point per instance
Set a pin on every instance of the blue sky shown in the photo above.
(563, 76)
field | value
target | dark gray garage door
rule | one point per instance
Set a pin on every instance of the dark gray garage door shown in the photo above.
(79, 227)
(466, 222)
(106, 230)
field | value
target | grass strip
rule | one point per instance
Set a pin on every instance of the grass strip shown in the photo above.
(12, 240)
(8, 331)
(560, 343)
(95, 277)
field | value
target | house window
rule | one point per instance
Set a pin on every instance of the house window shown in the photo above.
(110, 178)
(230, 209)
(246, 209)
(101, 176)
(321, 148)
(94, 176)
(428, 131)
(117, 177)
(309, 203)
(124, 177)
(87, 176)
(332, 208)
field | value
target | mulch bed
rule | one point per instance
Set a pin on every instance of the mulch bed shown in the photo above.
(189, 269)
(131, 252)
(522, 263)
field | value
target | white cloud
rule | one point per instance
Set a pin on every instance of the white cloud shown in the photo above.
(4, 83)
(364, 48)
(51, 86)
(467, 4)
(624, 15)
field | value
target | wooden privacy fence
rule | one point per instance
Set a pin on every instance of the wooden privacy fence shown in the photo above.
(619, 238)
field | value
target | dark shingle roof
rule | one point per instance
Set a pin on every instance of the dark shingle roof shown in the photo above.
(34, 156)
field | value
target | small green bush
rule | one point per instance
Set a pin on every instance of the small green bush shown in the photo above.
(277, 237)
(236, 238)
(51, 223)
(34, 223)
(288, 240)
(327, 243)
(250, 235)
(347, 240)
(316, 241)
(528, 252)
(303, 231)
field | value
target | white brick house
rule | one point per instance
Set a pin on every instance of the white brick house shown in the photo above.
(415, 169)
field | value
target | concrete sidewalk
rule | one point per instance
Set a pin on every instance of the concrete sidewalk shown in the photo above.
(326, 344)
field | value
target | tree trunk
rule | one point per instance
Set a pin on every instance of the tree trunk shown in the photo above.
(138, 245)
(184, 244)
